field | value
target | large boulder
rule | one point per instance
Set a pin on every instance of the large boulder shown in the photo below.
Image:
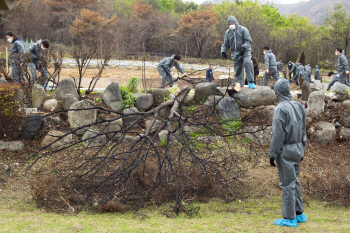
(270, 111)
(163, 135)
(52, 136)
(189, 99)
(157, 124)
(204, 90)
(32, 126)
(305, 91)
(213, 100)
(11, 145)
(259, 135)
(165, 112)
(3, 81)
(345, 132)
(228, 109)
(38, 96)
(325, 133)
(131, 118)
(340, 91)
(159, 95)
(346, 105)
(66, 86)
(144, 102)
(130, 140)
(68, 100)
(262, 95)
(112, 96)
(294, 96)
(346, 122)
(19, 96)
(50, 105)
(112, 129)
(93, 138)
(29, 111)
(315, 105)
(81, 118)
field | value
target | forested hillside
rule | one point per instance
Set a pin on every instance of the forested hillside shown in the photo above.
(164, 27)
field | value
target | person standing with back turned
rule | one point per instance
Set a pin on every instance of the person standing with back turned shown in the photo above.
(237, 38)
(287, 147)
(270, 66)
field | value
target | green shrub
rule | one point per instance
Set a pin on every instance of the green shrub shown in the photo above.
(232, 126)
(174, 88)
(133, 84)
(129, 99)
(163, 142)
(10, 117)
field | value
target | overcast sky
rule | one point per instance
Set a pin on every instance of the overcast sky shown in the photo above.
(280, 1)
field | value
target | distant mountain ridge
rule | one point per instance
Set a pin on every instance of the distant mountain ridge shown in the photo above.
(316, 10)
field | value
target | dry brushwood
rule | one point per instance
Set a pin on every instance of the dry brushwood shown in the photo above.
(202, 156)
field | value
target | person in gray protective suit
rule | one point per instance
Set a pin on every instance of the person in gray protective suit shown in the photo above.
(237, 38)
(280, 65)
(292, 69)
(317, 73)
(17, 52)
(308, 73)
(287, 147)
(164, 68)
(343, 66)
(270, 66)
(334, 78)
(36, 52)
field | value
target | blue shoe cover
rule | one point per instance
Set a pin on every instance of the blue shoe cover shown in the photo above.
(251, 85)
(286, 222)
(301, 218)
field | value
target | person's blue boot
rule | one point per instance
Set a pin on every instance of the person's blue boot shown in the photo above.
(251, 85)
(286, 222)
(301, 218)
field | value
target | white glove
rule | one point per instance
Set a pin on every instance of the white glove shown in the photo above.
(184, 74)
(347, 72)
(267, 71)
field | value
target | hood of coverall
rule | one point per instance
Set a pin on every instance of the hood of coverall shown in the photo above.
(232, 19)
(269, 51)
(316, 67)
(282, 90)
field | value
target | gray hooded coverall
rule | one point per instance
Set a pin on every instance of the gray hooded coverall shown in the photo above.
(317, 73)
(236, 40)
(343, 66)
(291, 69)
(287, 146)
(36, 53)
(308, 72)
(164, 69)
(335, 79)
(271, 65)
(16, 52)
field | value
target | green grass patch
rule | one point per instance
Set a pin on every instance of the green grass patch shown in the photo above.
(251, 215)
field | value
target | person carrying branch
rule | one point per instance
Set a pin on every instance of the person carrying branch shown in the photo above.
(164, 68)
